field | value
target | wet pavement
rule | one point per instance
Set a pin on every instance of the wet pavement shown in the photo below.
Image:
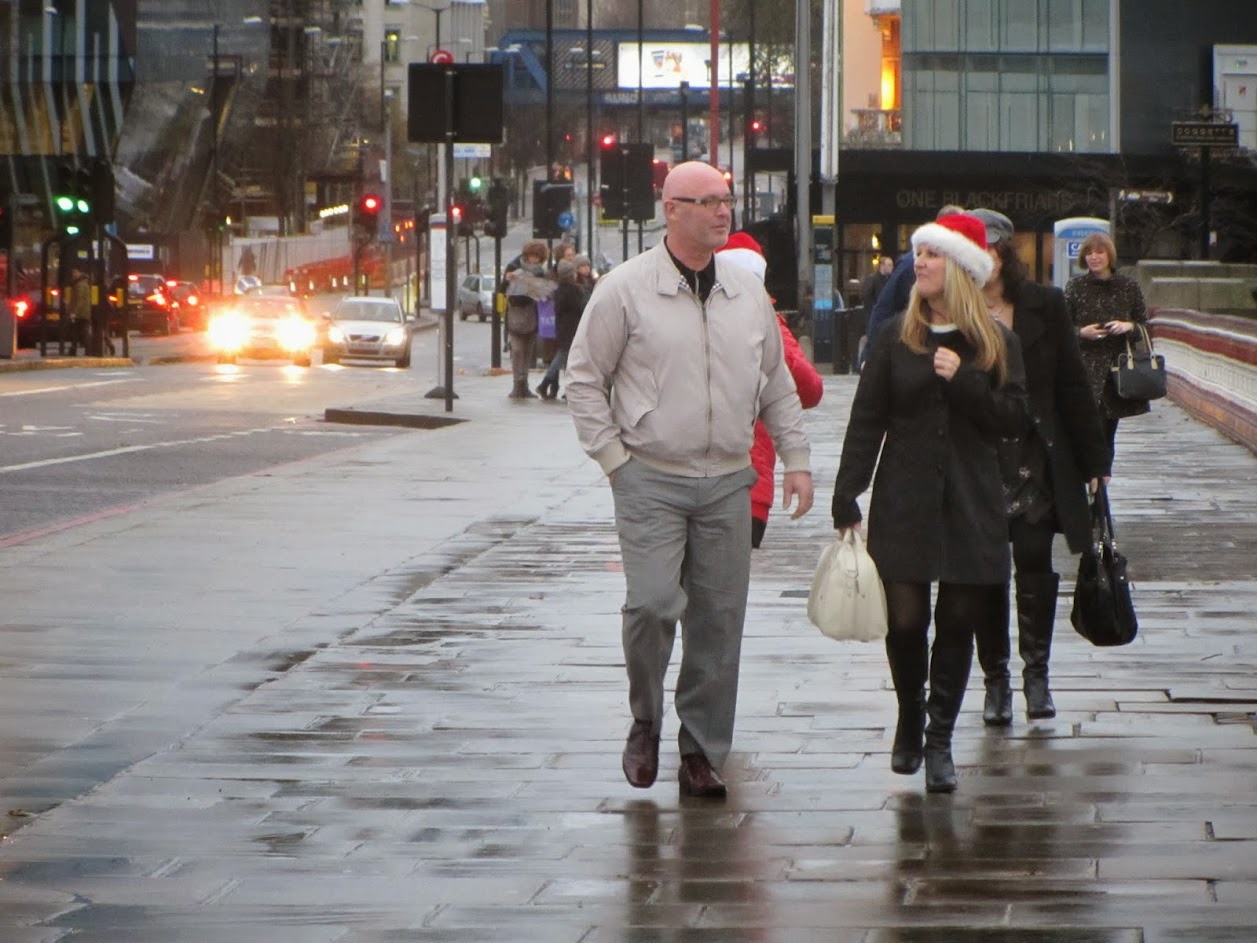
(379, 696)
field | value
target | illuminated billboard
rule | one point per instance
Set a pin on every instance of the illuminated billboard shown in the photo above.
(668, 64)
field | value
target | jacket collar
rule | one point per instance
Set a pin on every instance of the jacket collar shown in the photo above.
(669, 281)
(1028, 314)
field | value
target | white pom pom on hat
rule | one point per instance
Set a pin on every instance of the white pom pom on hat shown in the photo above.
(744, 252)
(962, 238)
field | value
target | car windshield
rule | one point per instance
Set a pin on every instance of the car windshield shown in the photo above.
(263, 307)
(143, 286)
(363, 311)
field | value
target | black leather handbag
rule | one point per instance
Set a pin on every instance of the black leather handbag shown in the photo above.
(1138, 373)
(1103, 612)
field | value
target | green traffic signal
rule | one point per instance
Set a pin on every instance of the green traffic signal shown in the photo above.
(65, 203)
(474, 184)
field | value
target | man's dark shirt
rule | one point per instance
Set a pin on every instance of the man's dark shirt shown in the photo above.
(700, 282)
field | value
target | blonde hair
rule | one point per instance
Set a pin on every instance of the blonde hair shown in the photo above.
(1097, 240)
(962, 299)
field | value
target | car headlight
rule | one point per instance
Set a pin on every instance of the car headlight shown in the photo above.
(228, 331)
(394, 337)
(335, 335)
(295, 334)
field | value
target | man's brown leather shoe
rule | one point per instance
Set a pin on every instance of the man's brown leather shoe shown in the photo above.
(641, 756)
(698, 779)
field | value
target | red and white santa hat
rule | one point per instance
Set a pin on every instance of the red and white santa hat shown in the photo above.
(744, 252)
(962, 238)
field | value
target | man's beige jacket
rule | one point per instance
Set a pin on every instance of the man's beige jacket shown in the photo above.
(657, 375)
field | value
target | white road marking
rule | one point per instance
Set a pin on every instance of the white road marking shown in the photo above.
(66, 386)
(129, 449)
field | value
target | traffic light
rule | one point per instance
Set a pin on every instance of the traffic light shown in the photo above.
(628, 182)
(367, 215)
(474, 183)
(74, 213)
(607, 141)
(72, 203)
(552, 209)
(499, 203)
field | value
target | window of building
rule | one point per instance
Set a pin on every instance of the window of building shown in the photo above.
(392, 45)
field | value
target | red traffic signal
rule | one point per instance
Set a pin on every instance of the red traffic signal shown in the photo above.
(370, 204)
(608, 140)
(456, 214)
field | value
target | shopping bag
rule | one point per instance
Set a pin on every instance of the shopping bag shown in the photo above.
(847, 601)
(1103, 611)
(545, 318)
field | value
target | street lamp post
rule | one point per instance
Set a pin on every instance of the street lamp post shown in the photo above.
(589, 127)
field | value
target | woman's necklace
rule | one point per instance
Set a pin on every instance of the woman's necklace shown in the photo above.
(999, 311)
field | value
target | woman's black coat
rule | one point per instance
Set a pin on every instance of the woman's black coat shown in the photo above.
(937, 510)
(1062, 408)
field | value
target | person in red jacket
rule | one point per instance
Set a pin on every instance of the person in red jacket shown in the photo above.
(745, 252)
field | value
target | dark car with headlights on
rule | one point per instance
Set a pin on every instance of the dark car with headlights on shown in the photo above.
(368, 328)
(262, 326)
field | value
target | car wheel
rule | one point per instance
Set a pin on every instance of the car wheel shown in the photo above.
(330, 356)
(481, 313)
(462, 314)
(403, 362)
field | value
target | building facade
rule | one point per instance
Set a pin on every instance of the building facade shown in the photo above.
(1044, 109)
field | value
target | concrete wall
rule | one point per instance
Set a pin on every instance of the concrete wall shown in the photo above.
(1211, 287)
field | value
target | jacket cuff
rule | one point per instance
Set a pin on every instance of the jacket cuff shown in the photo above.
(797, 460)
(611, 456)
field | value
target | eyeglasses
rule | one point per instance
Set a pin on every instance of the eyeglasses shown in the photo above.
(709, 202)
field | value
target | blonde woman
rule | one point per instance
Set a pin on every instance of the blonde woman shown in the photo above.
(937, 393)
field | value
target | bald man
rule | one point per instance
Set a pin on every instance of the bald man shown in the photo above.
(677, 355)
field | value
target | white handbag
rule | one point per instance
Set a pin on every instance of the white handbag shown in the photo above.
(847, 601)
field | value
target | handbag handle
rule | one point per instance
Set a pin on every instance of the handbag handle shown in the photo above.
(1104, 516)
(1143, 346)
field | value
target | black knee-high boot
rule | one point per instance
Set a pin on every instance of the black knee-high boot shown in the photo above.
(1036, 614)
(949, 673)
(908, 657)
(991, 638)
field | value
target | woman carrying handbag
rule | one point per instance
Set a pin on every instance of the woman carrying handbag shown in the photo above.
(1104, 307)
(1046, 475)
(940, 387)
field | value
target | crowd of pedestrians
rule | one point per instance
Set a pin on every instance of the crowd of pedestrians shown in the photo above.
(982, 418)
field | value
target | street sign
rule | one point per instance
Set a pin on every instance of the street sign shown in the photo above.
(474, 113)
(567, 220)
(441, 57)
(473, 151)
(1205, 134)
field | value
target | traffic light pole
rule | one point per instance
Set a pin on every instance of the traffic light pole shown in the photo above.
(495, 321)
(446, 387)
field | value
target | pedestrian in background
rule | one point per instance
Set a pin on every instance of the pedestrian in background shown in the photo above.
(1104, 306)
(1046, 473)
(677, 355)
(742, 250)
(80, 298)
(893, 297)
(525, 285)
(569, 304)
(875, 281)
(940, 387)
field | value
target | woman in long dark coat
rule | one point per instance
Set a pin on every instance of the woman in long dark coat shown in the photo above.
(1105, 306)
(1046, 474)
(940, 388)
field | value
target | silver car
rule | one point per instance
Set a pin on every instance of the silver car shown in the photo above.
(366, 328)
(475, 296)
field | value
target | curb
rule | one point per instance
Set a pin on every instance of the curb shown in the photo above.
(57, 363)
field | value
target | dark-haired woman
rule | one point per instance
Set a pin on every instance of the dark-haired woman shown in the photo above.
(1046, 473)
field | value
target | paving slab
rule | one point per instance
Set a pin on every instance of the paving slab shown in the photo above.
(387, 701)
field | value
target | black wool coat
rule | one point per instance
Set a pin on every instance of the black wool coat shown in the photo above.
(1091, 300)
(937, 510)
(1063, 411)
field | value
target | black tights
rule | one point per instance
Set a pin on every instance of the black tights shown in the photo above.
(1032, 545)
(958, 608)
